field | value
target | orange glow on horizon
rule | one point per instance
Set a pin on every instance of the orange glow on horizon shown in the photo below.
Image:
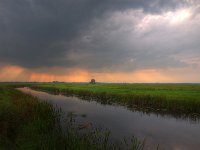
(73, 76)
(10, 73)
(84, 76)
(15, 73)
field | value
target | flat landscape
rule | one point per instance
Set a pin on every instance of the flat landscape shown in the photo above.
(31, 115)
(99, 75)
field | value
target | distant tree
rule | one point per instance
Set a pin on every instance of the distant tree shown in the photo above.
(92, 81)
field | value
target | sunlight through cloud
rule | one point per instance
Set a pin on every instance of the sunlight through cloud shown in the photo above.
(178, 16)
(166, 18)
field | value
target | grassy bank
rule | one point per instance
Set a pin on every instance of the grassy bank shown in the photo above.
(167, 98)
(29, 124)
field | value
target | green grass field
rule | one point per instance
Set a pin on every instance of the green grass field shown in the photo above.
(170, 91)
(26, 123)
(177, 98)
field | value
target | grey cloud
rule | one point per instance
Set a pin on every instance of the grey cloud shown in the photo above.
(43, 33)
(119, 47)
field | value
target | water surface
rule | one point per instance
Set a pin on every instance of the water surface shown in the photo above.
(170, 133)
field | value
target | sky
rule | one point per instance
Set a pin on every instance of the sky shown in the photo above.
(132, 41)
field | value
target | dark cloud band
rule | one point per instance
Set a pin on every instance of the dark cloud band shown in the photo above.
(46, 33)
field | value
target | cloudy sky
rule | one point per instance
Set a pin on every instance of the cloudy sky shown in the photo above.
(109, 40)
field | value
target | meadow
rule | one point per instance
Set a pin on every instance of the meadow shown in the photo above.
(26, 123)
(174, 99)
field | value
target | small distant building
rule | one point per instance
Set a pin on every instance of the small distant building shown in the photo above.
(92, 81)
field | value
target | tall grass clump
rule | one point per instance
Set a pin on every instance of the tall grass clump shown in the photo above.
(25, 122)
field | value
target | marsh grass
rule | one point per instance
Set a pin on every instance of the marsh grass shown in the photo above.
(179, 100)
(29, 124)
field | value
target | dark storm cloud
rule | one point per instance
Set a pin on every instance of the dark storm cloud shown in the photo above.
(35, 33)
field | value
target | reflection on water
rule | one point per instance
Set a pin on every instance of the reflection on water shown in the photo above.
(170, 133)
(178, 114)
